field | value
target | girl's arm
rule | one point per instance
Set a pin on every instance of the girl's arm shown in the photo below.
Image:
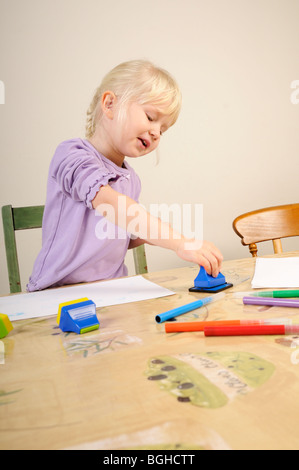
(126, 213)
(135, 242)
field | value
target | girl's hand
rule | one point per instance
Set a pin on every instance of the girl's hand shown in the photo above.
(202, 253)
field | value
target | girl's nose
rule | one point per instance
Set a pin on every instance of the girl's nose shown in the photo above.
(155, 132)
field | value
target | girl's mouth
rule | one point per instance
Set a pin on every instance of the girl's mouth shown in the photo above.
(144, 142)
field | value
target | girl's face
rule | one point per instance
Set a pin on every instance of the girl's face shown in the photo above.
(139, 131)
(143, 128)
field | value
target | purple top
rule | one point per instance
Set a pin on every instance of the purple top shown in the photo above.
(78, 244)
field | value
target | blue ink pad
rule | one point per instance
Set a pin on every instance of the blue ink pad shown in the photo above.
(206, 283)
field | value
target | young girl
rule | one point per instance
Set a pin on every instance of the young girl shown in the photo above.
(92, 192)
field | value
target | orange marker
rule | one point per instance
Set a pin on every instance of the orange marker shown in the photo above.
(175, 327)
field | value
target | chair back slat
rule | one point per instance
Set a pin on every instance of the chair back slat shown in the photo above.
(271, 223)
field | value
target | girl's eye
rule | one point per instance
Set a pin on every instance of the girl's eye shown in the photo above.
(149, 117)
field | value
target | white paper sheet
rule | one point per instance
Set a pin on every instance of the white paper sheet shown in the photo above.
(276, 273)
(114, 292)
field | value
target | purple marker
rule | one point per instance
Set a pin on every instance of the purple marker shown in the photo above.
(271, 302)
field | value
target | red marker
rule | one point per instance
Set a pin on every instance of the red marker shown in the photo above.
(247, 330)
(175, 327)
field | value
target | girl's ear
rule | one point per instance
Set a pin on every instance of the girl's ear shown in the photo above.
(108, 104)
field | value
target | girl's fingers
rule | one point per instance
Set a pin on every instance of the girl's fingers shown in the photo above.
(211, 265)
(203, 253)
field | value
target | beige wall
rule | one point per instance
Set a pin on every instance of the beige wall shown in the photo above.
(235, 146)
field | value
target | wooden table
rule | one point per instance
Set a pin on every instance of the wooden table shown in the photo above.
(129, 385)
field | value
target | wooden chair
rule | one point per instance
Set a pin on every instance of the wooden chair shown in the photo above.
(271, 223)
(140, 262)
(23, 218)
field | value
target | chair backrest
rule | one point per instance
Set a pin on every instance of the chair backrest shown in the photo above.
(17, 218)
(140, 260)
(23, 218)
(271, 223)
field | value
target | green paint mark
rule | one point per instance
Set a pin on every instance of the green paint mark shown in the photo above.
(251, 368)
(209, 379)
(3, 395)
(185, 383)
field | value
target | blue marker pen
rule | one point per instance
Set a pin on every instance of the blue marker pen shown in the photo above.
(188, 307)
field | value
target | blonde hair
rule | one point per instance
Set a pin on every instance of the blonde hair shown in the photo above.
(137, 80)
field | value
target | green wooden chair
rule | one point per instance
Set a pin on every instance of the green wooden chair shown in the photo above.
(23, 218)
(140, 260)
(17, 218)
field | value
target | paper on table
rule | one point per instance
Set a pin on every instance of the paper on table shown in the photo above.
(276, 273)
(113, 292)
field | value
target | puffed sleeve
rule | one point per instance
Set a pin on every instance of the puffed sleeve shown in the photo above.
(78, 172)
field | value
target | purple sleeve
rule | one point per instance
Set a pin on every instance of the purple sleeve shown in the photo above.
(79, 174)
